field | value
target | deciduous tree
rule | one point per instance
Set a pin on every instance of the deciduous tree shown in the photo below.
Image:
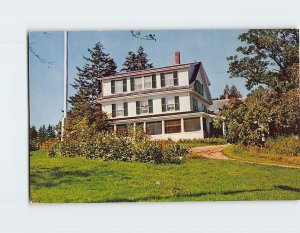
(269, 57)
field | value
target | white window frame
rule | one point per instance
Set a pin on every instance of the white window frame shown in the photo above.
(170, 104)
(139, 79)
(119, 86)
(144, 107)
(169, 79)
(147, 81)
(119, 110)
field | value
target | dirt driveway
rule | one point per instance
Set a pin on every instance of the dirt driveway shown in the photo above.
(211, 152)
(215, 152)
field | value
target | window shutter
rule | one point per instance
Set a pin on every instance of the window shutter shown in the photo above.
(124, 85)
(138, 107)
(202, 89)
(177, 105)
(162, 80)
(113, 107)
(132, 84)
(163, 104)
(150, 105)
(125, 105)
(153, 80)
(175, 78)
(113, 86)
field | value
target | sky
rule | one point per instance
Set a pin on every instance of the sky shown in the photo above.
(211, 47)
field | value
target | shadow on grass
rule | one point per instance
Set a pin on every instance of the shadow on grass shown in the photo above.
(55, 176)
(287, 188)
(200, 194)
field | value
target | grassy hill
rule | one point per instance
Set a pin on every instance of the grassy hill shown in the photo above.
(65, 180)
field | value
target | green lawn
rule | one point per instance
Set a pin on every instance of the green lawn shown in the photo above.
(81, 180)
(236, 152)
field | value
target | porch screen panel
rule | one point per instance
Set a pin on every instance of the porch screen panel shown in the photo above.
(122, 129)
(173, 126)
(192, 124)
(154, 128)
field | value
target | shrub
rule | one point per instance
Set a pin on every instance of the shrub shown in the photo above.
(175, 153)
(150, 153)
(54, 150)
(47, 144)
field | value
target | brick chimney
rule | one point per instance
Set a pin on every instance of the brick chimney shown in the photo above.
(177, 58)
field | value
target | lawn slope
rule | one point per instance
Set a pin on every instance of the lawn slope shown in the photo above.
(64, 180)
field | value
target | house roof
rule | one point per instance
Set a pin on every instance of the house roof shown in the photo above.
(152, 71)
(219, 104)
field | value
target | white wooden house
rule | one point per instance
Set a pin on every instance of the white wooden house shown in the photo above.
(168, 102)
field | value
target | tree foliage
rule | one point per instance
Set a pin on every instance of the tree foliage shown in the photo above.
(231, 92)
(137, 61)
(269, 57)
(37, 137)
(88, 85)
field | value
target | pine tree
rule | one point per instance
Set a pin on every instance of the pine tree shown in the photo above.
(225, 91)
(42, 134)
(88, 83)
(137, 61)
(50, 132)
(234, 92)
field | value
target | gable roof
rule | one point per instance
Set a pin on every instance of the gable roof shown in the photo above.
(151, 71)
(219, 104)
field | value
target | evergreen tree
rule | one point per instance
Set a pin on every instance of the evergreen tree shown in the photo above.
(231, 92)
(88, 83)
(50, 132)
(234, 92)
(137, 61)
(33, 134)
(42, 134)
(89, 86)
(33, 139)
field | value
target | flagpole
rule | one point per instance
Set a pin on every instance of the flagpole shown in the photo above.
(65, 83)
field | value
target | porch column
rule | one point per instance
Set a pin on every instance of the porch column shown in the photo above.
(201, 124)
(163, 127)
(144, 127)
(115, 127)
(224, 128)
(182, 126)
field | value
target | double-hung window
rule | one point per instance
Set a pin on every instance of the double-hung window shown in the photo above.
(170, 104)
(195, 104)
(148, 82)
(119, 110)
(119, 86)
(169, 80)
(144, 107)
(138, 84)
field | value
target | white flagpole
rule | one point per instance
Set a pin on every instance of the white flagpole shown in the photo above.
(65, 83)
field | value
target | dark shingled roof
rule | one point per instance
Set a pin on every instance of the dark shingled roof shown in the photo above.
(219, 104)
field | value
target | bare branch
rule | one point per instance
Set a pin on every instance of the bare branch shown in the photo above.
(137, 34)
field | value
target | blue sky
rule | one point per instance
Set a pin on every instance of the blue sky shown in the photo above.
(211, 47)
